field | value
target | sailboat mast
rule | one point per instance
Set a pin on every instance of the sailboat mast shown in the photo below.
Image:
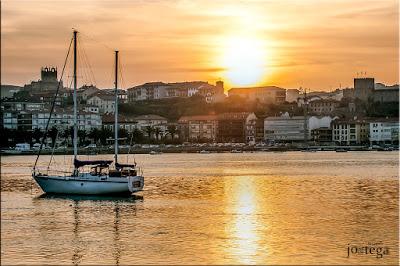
(305, 110)
(116, 109)
(75, 140)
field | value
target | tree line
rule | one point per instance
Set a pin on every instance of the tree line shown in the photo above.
(102, 136)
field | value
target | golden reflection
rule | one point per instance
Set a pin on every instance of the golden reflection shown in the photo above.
(243, 230)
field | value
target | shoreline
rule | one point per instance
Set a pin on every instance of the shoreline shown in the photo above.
(204, 149)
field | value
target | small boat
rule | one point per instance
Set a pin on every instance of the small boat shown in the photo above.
(155, 152)
(204, 152)
(122, 179)
(236, 151)
(341, 150)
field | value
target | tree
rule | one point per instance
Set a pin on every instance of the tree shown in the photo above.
(66, 135)
(172, 130)
(157, 132)
(122, 133)
(94, 134)
(37, 134)
(136, 136)
(149, 130)
(53, 132)
(105, 133)
(82, 136)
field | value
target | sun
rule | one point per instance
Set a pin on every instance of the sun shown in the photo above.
(244, 61)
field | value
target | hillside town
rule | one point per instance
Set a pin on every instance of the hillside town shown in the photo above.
(197, 112)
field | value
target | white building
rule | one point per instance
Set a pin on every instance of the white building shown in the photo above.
(160, 90)
(384, 131)
(291, 128)
(105, 102)
(63, 119)
(350, 131)
(84, 92)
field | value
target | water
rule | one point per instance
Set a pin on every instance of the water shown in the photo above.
(250, 208)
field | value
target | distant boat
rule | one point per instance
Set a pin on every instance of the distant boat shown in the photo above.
(236, 151)
(204, 152)
(341, 150)
(155, 152)
(121, 180)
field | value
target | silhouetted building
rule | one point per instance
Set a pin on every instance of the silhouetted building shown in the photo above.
(364, 88)
(237, 127)
(47, 83)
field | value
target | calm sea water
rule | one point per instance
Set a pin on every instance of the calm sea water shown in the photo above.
(250, 208)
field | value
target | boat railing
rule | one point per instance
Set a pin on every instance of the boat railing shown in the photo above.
(47, 172)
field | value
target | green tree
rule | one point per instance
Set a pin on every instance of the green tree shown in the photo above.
(105, 133)
(172, 130)
(53, 132)
(37, 134)
(157, 132)
(136, 136)
(94, 134)
(82, 137)
(149, 130)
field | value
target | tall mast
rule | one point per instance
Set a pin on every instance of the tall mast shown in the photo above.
(305, 117)
(75, 102)
(116, 110)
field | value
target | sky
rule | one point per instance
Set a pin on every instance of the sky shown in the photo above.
(314, 44)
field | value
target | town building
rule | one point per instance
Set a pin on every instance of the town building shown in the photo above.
(292, 95)
(385, 130)
(386, 94)
(322, 135)
(286, 128)
(236, 127)
(105, 101)
(84, 92)
(127, 123)
(265, 94)
(12, 105)
(64, 118)
(350, 131)
(160, 90)
(323, 107)
(60, 118)
(198, 128)
(8, 91)
(154, 124)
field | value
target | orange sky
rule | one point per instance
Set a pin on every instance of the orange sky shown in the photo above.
(318, 44)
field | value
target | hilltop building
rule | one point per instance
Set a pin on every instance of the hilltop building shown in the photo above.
(160, 90)
(48, 81)
(265, 94)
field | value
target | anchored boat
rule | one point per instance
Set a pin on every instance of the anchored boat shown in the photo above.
(102, 178)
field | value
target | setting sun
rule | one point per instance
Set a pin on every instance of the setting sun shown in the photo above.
(244, 61)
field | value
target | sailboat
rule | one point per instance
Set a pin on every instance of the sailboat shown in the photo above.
(102, 179)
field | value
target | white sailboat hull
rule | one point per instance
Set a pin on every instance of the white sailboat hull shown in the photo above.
(90, 185)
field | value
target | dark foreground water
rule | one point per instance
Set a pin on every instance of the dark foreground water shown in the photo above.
(250, 208)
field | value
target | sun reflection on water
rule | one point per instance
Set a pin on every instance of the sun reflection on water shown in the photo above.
(243, 229)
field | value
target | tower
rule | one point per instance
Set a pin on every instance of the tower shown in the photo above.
(364, 88)
(48, 74)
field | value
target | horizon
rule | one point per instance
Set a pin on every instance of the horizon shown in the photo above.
(258, 43)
